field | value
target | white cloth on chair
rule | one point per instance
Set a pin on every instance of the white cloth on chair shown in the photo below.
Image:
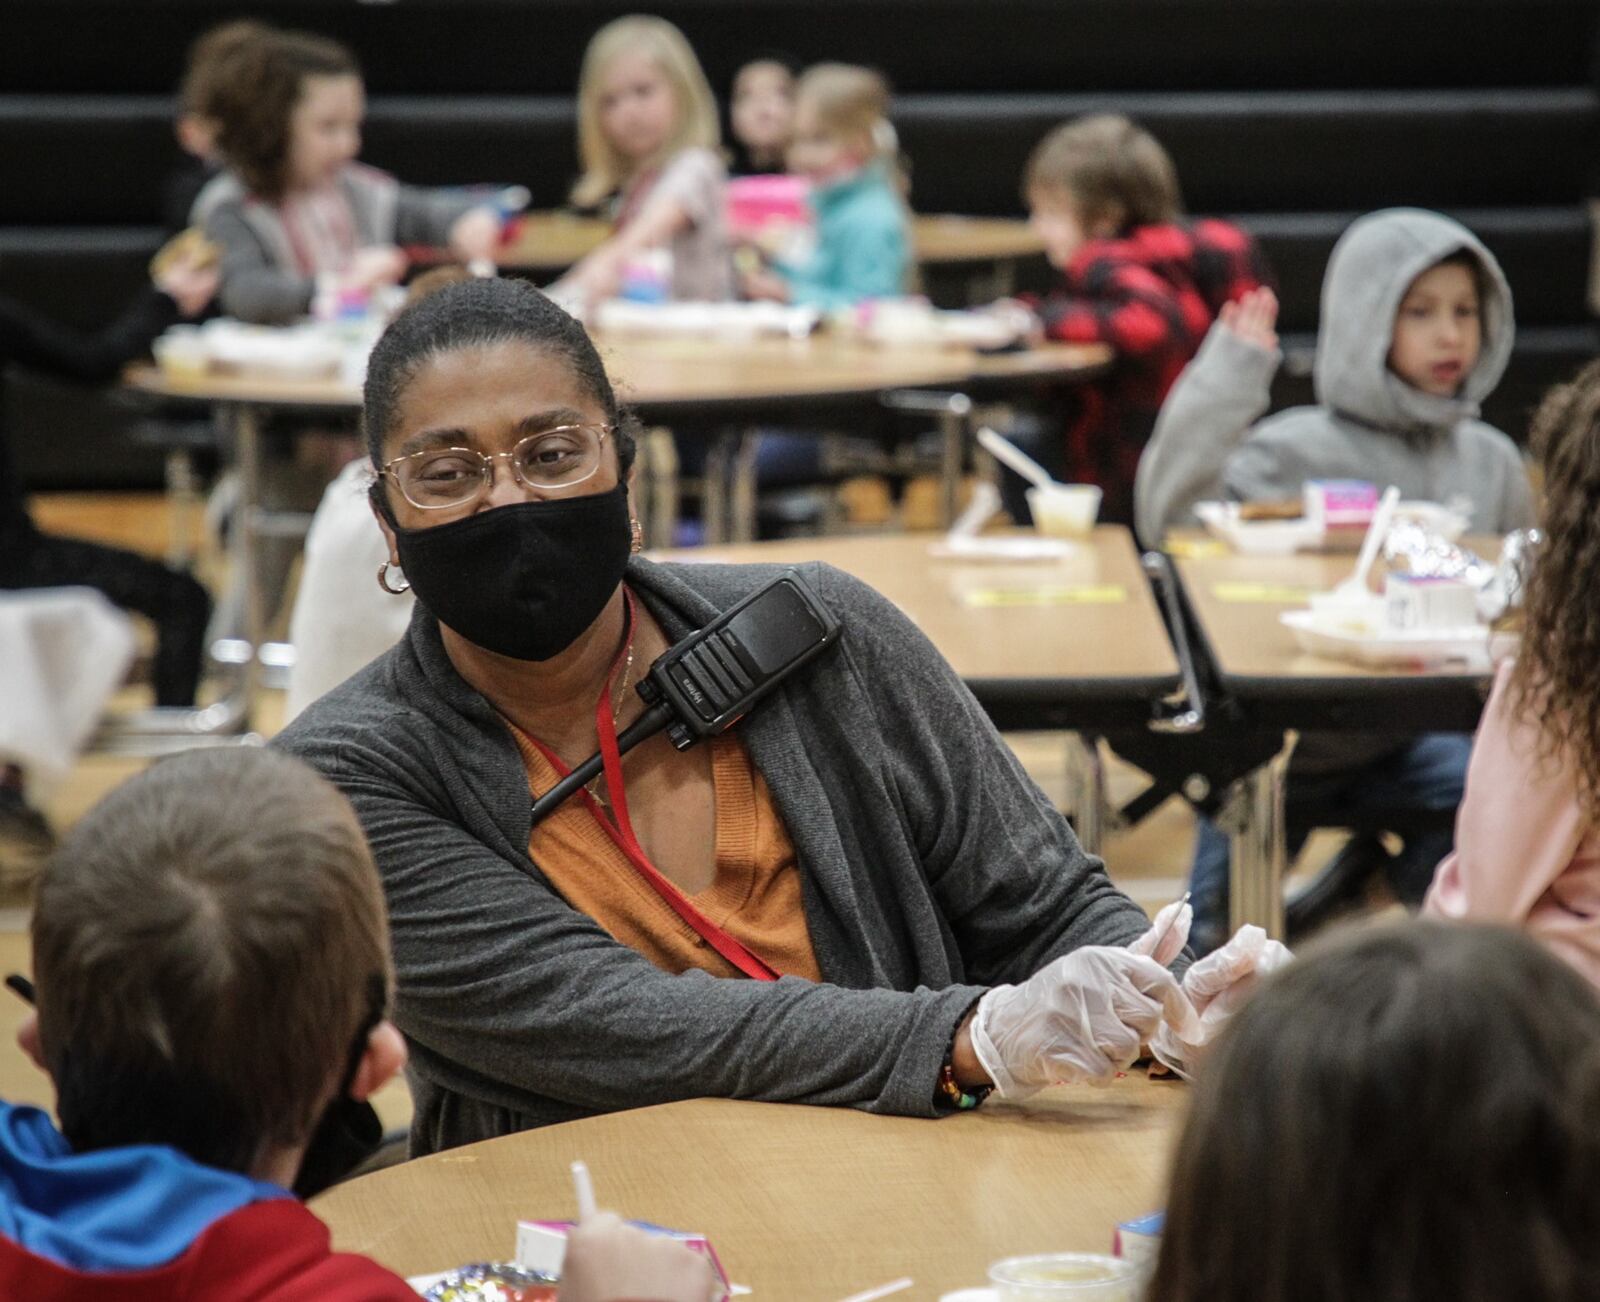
(341, 617)
(64, 652)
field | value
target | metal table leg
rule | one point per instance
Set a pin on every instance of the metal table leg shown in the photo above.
(1086, 791)
(714, 489)
(656, 495)
(743, 490)
(953, 411)
(1253, 816)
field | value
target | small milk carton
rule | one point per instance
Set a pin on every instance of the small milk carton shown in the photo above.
(1139, 1240)
(1416, 603)
(542, 1245)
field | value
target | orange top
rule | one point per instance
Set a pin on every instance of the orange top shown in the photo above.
(754, 896)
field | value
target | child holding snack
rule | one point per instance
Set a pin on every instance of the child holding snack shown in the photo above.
(1103, 196)
(295, 214)
(761, 114)
(1416, 330)
(1412, 1113)
(1528, 834)
(845, 146)
(213, 989)
(648, 139)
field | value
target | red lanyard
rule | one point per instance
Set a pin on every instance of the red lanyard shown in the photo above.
(622, 834)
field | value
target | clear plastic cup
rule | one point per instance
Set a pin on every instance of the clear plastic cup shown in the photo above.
(1064, 510)
(1065, 1277)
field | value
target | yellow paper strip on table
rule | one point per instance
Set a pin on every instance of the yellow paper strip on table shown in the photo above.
(1077, 594)
(1268, 594)
(1193, 549)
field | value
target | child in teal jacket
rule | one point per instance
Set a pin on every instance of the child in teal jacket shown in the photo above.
(844, 145)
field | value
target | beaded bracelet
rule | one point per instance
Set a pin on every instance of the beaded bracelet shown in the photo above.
(954, 1095)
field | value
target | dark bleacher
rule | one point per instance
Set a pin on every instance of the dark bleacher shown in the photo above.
(1291, 115)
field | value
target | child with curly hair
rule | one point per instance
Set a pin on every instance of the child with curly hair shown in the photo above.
(1527, 850)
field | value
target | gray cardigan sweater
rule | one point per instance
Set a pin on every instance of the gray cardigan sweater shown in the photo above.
(260, 282)
(932, 868)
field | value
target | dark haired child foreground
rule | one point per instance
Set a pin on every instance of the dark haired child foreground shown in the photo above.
(1528, 835)
(1413, 1113)
(1135, 274)
(1416, 331)
(212, 962)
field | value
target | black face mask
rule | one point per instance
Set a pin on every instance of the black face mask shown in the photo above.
(348, 1131)
(522, 580)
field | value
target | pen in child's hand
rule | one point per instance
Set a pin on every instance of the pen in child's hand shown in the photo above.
(22, 988)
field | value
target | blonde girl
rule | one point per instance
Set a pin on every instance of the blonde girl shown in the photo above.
(649, 141)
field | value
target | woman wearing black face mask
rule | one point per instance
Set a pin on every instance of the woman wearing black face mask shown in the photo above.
(806, 909)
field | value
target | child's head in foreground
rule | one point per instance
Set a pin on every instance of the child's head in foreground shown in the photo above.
(211, 956)
(642, 97)
(1410, 1113)
(1097, 177)
(288, 109)
(841, 122)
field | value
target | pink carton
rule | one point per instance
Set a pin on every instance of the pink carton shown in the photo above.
(1343, 507)
(542, 1245)
(757, 203)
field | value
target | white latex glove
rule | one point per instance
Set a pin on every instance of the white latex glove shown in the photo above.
(1168, 934)
(607, 1260)
(1217, 986)
(1082, 1018)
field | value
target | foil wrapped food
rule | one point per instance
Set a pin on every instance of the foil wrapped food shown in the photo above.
(493, 1282)
(1414, 548)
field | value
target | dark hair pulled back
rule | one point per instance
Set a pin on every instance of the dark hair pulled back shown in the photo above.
(474, 314)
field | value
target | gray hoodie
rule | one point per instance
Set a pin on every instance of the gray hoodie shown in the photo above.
(1369, 423)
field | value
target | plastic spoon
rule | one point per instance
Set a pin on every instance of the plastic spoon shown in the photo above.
(1355, 587)
(1003, 449)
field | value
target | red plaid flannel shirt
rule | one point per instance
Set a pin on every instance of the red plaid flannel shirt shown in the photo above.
(1152, 295)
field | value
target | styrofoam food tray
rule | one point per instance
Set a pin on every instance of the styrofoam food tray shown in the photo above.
(1281, 537)
(1392, 647)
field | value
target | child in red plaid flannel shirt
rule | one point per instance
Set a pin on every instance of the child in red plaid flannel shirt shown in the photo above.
(1103, 195)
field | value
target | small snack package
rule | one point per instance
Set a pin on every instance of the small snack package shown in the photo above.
(542, 1245)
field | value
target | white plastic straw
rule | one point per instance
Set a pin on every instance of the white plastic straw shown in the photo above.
(1005, 450)
(883, 1290)
(583, 1186)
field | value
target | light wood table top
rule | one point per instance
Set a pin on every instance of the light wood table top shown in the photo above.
(1089, 616)
(1238, 600)
(649, 372)
(662, 373)
(801, 1203)
(552, 241)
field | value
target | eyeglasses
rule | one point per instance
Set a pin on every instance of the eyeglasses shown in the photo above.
(551, 460)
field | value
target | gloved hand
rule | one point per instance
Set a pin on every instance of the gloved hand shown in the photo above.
(1217, 986)
(1081, 1018)
(1168, 934)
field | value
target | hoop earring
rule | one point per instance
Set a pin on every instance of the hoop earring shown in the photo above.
(383, 582)
(636, 531)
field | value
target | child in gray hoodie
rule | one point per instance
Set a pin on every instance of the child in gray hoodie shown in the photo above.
(1416, 330)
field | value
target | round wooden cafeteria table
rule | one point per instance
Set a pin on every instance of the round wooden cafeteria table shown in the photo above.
(548, 242)
(800, 1202)
(652, 373)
